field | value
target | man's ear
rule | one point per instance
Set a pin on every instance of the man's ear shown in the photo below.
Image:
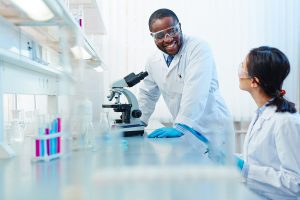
(254, 82)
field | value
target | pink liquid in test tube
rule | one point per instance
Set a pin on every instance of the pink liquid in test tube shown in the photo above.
(58, 124)
(37, 148)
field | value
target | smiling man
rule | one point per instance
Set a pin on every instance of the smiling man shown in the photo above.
(184, 72)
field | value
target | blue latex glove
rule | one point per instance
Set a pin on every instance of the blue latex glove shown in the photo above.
(239, 163)
(164, 133)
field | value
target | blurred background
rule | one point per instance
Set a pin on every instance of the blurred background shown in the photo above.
(121, 37)
(58, 59)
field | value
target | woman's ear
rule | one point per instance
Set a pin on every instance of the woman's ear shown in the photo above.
(254, 82)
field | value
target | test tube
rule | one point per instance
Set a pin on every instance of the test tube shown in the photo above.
(37, 148)
(80, 17)
(58, 130)
(42, 143)
(52, 140)
(47, 131)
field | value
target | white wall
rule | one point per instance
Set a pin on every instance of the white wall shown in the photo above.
(1, 103)
(231, 27)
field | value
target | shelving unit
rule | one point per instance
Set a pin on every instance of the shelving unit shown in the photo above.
(29, 64)
(50, 32)
(36, 56)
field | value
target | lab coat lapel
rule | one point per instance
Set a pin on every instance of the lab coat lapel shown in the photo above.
(247, 138)
(256, 126)
(266, 115)
(174, 63)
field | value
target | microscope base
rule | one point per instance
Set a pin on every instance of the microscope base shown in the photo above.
(133, 133)
(130, 130)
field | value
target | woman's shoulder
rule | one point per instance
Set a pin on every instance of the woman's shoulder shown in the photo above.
(287, 115)
(284, 119)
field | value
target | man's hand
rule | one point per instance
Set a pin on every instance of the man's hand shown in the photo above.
(164, 133)
(239, 162)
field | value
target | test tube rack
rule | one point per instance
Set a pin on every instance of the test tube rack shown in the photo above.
(47, 147)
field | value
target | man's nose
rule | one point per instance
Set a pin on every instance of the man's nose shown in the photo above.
(168, 38)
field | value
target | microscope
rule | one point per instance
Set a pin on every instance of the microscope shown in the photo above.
(129, 122)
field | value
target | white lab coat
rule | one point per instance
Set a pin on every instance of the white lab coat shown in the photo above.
(272, 152)
(190, 89)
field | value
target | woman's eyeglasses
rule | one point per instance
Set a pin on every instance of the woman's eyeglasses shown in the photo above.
(242, 71)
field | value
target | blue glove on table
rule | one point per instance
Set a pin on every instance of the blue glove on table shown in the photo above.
(165, 132)
(239, 163)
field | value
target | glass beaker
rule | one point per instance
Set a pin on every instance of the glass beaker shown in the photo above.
(82, 124)
(102, 134)
(104, 125)
(17, 126)
(16, 132)
(86, 135)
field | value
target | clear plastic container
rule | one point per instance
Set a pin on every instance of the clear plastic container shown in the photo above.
(83, 132)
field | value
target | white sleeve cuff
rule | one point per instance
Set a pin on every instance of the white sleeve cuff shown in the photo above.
(185, 120)
(245, 170)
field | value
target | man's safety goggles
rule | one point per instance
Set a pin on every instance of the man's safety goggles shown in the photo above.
(171, 32)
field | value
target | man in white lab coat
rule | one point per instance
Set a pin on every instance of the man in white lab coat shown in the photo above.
(184, 72)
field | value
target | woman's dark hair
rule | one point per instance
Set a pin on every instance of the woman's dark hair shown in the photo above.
(161, 13)
(271, 67)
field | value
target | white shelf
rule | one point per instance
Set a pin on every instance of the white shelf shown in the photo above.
(27, 63)
(65, 17)
(48, 33)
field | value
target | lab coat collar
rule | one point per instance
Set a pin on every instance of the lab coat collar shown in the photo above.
(174, 62)
(267, 113)
(157, 58)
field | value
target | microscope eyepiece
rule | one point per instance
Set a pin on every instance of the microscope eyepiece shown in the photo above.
(132, 79)
(142, 75)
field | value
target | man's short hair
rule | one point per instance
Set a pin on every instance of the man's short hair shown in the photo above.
(161, 13)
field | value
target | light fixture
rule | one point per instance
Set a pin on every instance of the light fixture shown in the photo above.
(80, 53)
(98, 69)
(35, 9)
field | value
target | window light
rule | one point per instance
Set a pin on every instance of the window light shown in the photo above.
(35, 9)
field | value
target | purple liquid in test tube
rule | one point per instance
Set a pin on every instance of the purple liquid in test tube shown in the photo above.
(58, 130)
(47, 131)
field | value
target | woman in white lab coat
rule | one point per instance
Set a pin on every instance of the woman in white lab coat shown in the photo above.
(271, 154)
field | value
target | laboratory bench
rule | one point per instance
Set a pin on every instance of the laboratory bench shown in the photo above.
(122, 168)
